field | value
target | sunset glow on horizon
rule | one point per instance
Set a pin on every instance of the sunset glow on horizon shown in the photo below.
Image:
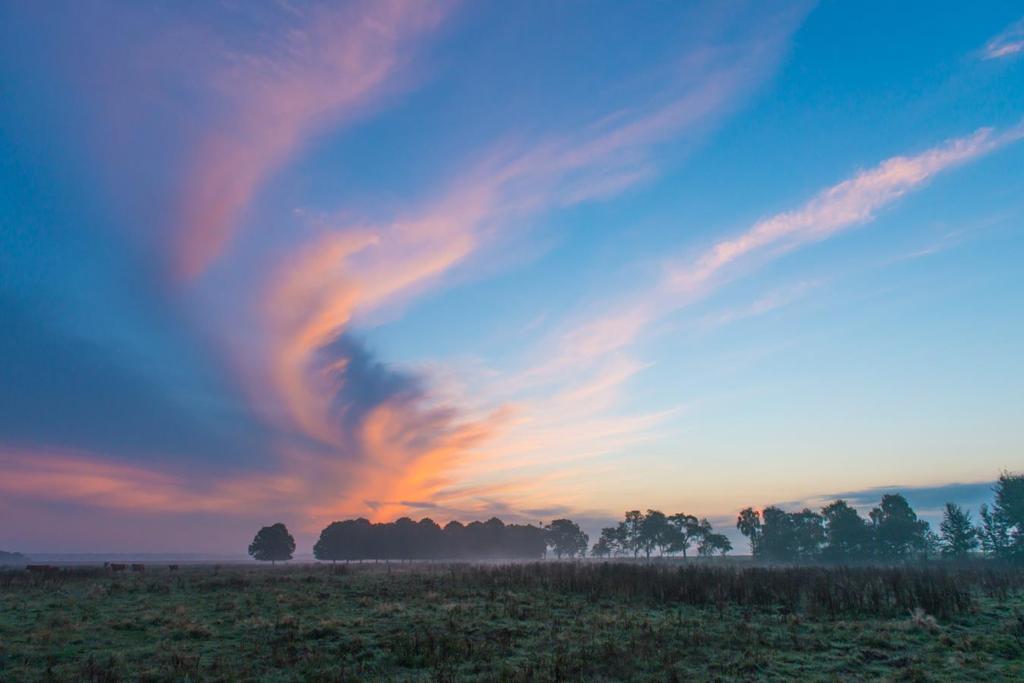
(303, 262)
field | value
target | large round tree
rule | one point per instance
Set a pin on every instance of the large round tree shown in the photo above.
(272, 543)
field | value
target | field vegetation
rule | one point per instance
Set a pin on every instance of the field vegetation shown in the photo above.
(706, 619)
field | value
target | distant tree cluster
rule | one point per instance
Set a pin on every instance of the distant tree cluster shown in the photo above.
(12, 558)
(661, 534)
(892, 530)
(405, 539)
(837, 533)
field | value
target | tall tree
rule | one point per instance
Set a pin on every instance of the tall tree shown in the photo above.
(898, 531)
(749, 524)
(613, 538)
(272, 544)
(958, 537)
(654, 532)
(686, 529)
(1002, 529)
(603, 547)
(847, 534)
(809, 529)
(713, 543)
(790, 536)
(632, 531)
(566, 538)
(332, 542)
(778, 538)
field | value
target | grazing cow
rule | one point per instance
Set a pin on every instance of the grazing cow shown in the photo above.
(138, 567)
(173, 567)
(117, 567)
(42, 569)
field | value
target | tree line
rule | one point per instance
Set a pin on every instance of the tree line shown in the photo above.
(405, 539)
(892, 531)
(661, 534)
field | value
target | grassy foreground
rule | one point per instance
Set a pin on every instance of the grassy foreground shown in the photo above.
(549, 621)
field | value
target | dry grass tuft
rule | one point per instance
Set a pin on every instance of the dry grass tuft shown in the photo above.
(922, 620)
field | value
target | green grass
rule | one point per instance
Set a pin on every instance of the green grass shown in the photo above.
(371, 622)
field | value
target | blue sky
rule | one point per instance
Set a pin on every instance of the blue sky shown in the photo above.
(311, 261)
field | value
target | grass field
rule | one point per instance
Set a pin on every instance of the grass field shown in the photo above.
(548, 621)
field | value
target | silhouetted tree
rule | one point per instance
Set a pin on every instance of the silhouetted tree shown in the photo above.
(777, 542)
(789, 536)
(565, 538)
(897, 530)
(749, 524)
(525, 541)
(809, 527)
(272, 544)
(633, 531)
(1002, 524)
(614, 539)
(958, 535)
(454, 540)
(603, 547)
(654, 532)
(712, 543)
(332, 543)
(429, 540)
(686, 529)
(847, 534)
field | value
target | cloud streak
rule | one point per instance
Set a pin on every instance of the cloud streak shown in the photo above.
(1007, 44)
(321, 289)
(70, 476)
(398, 444)
(323, 67)
(606, 341)
(845, 205)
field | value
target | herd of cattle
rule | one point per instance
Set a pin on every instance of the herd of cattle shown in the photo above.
(47, 569)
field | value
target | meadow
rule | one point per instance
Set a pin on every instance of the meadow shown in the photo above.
(547, 621)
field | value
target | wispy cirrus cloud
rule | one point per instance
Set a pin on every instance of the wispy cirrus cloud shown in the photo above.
(847, 204)
(322, 288)
(767, 303)
(608, 339)
(316, 66)
(95, 481)
(1007, 44)
(840, 207)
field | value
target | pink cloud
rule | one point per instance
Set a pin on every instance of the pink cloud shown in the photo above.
(345, 272)
(604, 341)
(97, 482)
(321, 71)
(847, 204)
(1008, 43)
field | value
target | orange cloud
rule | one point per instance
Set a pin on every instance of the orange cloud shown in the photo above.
(319, 290)
(408, 450)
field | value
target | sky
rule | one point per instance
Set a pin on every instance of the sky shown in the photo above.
(301, 261)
